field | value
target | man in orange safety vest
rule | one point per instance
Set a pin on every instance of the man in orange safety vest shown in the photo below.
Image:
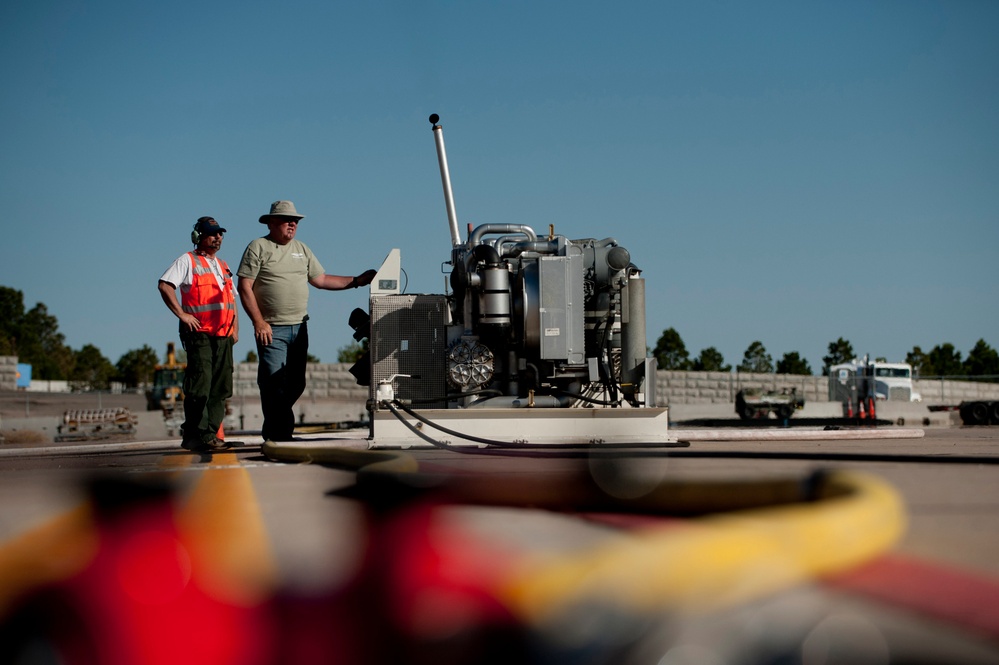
(209, 328)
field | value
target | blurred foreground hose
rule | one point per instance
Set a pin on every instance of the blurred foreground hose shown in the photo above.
(721, 560)
(756, 538)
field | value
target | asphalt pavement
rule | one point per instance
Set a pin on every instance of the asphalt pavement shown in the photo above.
(877, 545)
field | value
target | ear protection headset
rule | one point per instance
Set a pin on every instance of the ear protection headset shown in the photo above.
(196, 234)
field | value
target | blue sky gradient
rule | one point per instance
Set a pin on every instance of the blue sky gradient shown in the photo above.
(789, 172)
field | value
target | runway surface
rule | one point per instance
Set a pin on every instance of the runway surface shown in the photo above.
(426, 555)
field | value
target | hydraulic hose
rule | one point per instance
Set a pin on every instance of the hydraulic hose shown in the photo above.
(589, 400)
(505, 446)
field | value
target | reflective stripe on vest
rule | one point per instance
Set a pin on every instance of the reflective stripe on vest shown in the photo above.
(214, 307)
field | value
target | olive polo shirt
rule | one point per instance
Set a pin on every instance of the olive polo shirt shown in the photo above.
(280, 275)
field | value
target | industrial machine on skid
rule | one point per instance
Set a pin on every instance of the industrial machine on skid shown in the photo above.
(541, 340)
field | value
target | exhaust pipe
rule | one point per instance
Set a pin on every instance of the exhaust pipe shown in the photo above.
(633, 339)
(452, 216)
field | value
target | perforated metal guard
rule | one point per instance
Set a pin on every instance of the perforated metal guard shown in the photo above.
(408, 336)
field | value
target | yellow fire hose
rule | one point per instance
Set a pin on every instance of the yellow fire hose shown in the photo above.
(721, 560)
(755, 541)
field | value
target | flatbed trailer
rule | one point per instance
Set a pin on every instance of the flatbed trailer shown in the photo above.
(756, 403)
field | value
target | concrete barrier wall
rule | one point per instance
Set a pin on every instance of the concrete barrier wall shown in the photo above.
(47, 386)
(946, 391)
(714, 387)
(323, 381)
(334, 381)
(679, 387)
(8, 372)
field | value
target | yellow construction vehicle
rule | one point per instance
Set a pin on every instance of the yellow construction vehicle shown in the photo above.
(167, 390)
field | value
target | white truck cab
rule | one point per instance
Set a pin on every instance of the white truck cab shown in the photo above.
(862, 378)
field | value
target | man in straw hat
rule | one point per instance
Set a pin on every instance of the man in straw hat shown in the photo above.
(274, 278)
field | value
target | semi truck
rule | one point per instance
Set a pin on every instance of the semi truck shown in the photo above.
(862, 381)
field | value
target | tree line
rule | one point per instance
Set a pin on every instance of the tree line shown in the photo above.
(33, 336)
(671, 353)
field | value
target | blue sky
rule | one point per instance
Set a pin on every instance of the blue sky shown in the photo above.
(789, 172)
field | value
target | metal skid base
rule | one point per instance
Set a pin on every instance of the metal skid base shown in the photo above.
(570, 427)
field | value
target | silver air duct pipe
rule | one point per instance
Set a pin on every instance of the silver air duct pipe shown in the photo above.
(484, 229)
(452, 216)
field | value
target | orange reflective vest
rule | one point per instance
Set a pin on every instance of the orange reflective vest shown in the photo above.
(214, 307)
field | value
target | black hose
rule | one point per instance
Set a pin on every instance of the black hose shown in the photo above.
(590, 400)
(505, 446)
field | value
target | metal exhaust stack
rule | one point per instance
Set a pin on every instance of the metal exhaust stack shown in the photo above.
(633, 366)
(452, 216)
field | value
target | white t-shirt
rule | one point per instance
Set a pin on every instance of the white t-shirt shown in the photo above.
(181, 274)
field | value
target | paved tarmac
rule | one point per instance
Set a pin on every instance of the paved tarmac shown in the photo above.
(428, 555)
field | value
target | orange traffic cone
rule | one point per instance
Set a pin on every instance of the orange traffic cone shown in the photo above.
(849, 408)
(220, 435)
(861, 413)
(870, 408)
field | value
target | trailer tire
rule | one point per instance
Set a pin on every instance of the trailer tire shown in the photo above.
(980, 413)
(994, 413)
(975, 413)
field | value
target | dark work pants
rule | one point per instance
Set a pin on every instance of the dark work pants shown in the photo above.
(207, 384)
(281, 379)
